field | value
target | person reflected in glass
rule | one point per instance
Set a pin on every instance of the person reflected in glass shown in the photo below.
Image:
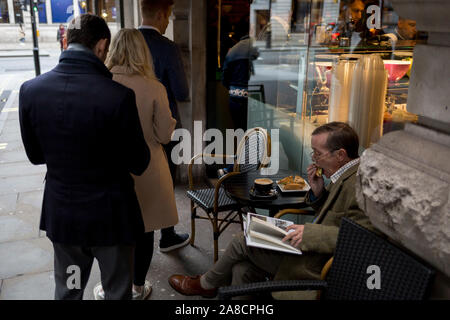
(60, 36)
(351, 23)
(404, 34)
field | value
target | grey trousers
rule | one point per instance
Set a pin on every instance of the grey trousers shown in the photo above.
(242, 264)
(73, 266)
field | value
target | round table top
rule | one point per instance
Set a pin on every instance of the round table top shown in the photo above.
(238, 188)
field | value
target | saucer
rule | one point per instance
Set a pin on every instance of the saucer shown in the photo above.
(270, 195)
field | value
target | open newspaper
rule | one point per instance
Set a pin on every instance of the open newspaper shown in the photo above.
(266, 232)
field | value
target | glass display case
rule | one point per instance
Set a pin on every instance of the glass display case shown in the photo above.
(330, 60)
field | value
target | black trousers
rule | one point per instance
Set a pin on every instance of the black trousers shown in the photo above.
(238, 111)
(73, 266)
(173, 172)
(143, 257)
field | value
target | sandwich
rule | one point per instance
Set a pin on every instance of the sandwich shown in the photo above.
(319, 172)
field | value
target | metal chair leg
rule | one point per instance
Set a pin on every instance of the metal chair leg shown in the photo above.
(193, 216)
(240, 219)
(216, 239)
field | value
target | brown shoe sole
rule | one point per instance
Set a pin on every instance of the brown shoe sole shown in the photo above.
(193, 294)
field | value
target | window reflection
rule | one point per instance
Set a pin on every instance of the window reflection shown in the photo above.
(329, 60)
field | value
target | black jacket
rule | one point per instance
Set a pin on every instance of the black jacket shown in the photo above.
(238, 64)
(168, 69)
(85, 128)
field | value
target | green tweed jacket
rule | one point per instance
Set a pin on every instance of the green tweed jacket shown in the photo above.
(319, 238)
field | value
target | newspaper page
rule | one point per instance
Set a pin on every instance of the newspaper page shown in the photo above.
(267, 233)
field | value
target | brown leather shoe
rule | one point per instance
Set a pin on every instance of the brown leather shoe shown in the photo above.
(190, 286)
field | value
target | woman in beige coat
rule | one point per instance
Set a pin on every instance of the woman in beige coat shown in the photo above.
(131, 64)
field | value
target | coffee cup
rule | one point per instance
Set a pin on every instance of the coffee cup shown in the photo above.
(263, 185)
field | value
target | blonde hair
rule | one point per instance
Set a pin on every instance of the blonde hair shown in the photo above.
(129, 49)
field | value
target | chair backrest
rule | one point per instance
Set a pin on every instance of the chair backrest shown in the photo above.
(253, 151)
(369, 267)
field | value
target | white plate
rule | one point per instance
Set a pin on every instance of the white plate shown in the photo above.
(305, 188)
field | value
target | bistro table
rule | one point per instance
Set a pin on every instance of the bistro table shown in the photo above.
(238, 188)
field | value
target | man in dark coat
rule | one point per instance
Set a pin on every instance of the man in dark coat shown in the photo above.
(237, 70)
(85, 128)
(169, 69)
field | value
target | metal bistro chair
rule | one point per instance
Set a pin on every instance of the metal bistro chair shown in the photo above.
(402, 276)
(252, 153)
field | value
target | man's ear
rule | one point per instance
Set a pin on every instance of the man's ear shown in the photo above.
(341, 154)
(101, 49)
(65, 42)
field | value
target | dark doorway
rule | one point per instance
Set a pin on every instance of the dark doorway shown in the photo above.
(234, 24)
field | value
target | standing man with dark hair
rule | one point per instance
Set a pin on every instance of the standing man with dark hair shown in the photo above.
(85, 128)
(170, 71)
(335, 150)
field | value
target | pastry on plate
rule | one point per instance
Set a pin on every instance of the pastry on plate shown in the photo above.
(293, 186)
(286, 180)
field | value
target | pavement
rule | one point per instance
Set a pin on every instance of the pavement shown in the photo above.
(26, 254)
(22, 50)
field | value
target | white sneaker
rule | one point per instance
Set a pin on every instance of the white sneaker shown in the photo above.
(146, 290)
(99, 293)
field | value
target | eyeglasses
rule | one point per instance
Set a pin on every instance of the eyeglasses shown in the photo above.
(317, 156)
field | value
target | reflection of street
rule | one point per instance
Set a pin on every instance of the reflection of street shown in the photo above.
(277, 69)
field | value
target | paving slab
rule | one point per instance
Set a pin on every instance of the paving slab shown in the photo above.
(13, 228)
(10, 137)
(21, 168)
(11, 126)
(11, 146)
(22, 184)
(39, 286)
(11, 156)
(8, 203)
(25, 256)
(13, 115)
(23, 222)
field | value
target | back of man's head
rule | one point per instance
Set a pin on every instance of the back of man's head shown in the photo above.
(340, 136)
(149, 8)
(88, 29)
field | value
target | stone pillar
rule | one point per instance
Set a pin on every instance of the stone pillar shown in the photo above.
(128, 14)
(48, 11)
(76, 8)
(12, 18)
(189, 32)
(136, 13)
(404, 179)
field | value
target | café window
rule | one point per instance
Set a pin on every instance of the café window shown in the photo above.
(42, 13)
(18, 15)
(62, 11)
(344, 61)
(4, 13)
(107, 9)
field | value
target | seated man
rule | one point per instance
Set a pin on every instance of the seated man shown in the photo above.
(335, 151)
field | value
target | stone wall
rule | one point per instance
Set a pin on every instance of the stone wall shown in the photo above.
(404, 179)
